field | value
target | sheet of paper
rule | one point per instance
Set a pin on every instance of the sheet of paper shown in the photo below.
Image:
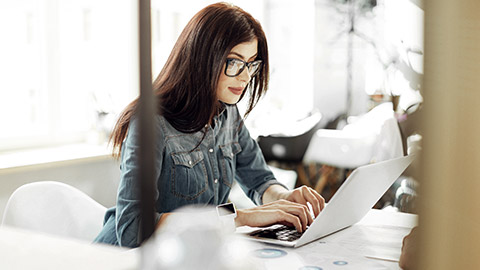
(379, 242)
(319, 255)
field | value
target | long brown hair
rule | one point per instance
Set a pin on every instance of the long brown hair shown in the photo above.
(186, 87)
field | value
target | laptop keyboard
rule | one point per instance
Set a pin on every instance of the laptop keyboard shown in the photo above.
(279, 232)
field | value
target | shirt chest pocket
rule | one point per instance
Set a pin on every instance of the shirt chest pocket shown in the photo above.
(189, 174)
(228, 162)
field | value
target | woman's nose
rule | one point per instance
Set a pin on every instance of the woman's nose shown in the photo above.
(244, 75)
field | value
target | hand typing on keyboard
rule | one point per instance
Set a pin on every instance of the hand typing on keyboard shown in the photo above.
(278, 212)
(302, 195)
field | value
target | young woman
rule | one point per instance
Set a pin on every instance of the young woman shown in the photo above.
(203, 144)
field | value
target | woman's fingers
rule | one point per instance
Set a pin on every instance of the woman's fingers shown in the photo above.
(320, 199)
(301, 211)
(317, 202)
(305, 194)
(291, 219)
(298, 195)
(292, 211)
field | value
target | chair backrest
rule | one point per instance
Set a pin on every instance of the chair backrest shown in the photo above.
(54, 208)
(374, 137)
(288, 148)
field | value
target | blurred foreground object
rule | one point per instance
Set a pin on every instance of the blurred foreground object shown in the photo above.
(409, 250)
(194, 238)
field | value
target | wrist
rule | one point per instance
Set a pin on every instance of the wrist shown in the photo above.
(240, 219)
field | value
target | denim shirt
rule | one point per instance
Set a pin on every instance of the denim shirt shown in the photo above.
(184, 177)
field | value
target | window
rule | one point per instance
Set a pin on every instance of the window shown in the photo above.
(66, 65)
(70, 66)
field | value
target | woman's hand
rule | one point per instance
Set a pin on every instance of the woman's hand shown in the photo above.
(277, 212)
(300, 195)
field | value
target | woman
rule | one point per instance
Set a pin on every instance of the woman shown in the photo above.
(202, 143)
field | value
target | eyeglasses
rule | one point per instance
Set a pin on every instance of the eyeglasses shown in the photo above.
(234, 67)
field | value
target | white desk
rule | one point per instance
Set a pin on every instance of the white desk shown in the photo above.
(373, 243)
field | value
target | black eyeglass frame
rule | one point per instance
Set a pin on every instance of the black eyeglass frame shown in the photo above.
(245, 64)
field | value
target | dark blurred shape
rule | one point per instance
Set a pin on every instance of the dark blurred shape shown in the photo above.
(287, 148)
(147, 133)
(406, 195)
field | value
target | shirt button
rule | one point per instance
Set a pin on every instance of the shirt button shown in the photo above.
(210, 150)
(216, 181)
(189, 162)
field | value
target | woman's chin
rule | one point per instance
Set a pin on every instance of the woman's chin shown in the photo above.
(230, 101)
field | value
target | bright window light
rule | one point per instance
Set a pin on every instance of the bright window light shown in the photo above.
(66, 66)
(69, 67)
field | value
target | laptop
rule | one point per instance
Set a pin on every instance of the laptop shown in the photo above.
(352, 201)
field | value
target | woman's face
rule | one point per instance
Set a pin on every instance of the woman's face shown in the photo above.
(230, 89)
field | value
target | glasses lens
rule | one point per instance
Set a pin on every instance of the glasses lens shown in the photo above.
(234, 67)
(254, 67)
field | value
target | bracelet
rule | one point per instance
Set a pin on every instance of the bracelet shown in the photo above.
(227, 214)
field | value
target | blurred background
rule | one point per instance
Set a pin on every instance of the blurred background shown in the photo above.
(70, 66)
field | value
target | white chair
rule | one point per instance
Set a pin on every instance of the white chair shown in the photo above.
(54, 208)
(373, 137)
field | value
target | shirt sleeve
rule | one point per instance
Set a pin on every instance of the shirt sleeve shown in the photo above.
(252, 172)
(128, 216)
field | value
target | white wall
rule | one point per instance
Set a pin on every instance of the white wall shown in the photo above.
(97, 177)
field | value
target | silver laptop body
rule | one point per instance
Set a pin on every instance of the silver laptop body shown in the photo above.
(352, 201)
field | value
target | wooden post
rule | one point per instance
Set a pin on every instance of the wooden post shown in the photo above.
(450, 167)
(146, 111)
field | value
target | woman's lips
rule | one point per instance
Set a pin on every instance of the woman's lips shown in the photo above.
(236, 90)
